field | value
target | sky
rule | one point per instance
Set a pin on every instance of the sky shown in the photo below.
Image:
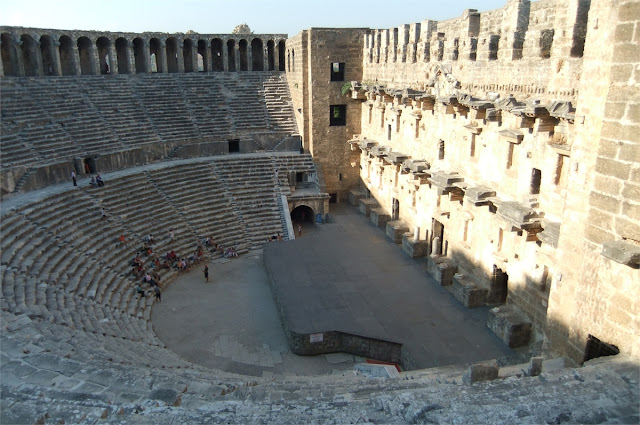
(220, 17)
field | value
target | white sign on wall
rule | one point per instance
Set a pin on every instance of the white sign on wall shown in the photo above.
(315, 337)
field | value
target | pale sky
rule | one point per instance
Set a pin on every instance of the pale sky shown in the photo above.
(220, 17)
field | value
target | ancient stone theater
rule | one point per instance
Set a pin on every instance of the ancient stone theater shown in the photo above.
(495, 154)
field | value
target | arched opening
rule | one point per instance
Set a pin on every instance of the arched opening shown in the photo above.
(172, 55)
(281, 49)
(203, 63)
(216, 54)
(138, 55)
(9, 57)
(103, 44)
(231, 54)
(122, 46)
(67, 62)
(244, 55)
(49, 66)
(155, 52)
(293, 60)
(302, 217)
(271, 60)
(187, 55)
(84, 52)
(29, 56)
(257, 55)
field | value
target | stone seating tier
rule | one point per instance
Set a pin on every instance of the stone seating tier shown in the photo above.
(72, 117)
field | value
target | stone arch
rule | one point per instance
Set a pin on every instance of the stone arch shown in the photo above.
(9, 55)
(217, 54)
(187, 55)
(49, 65)
(244, 55)
(202, 55)
(103, 45)
(122, 54)
(231, 54)
(302, 214)
(172, 54)
(138, 55)
(155, 51)
(271, 59)
(281, 50)
(85, 50)
(67, 57)
(29, 58)
(257, 55)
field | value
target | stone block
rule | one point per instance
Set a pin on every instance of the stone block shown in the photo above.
(441, 269)
(379, 217)
(510, 325)
(414, 249)
(468, 292)
(395, 229)
(366, 204)
(535, 366)
(355, 196)
(519, 215)
(550, 233)
(478, 195)
(613, 168)
(479, 372)
(622, 252)
(397, 157)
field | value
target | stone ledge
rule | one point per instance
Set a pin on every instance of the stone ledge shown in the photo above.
(622, 252)
(395, 230)
(510, 325)
(379, 217)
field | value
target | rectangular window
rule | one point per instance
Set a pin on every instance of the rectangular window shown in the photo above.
(338, 115)
(337, 71)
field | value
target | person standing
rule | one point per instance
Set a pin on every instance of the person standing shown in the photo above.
(73, 177)
(158, 294)
(206, 272)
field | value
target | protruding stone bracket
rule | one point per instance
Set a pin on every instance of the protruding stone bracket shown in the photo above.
(397, 157)
(519, 215)
(550, 233)
(622, 252)
(511, 135)
(444, 182)
(478, 195)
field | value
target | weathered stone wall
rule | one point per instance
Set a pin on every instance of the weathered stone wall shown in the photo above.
(537, 195)
(480, 46)
(297, 77)
(595, 295)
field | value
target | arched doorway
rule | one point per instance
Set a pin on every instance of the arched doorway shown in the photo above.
(216, 54)
(47, 54)
(231, 55)
(138, 55)
(203, 57)
(172, 55)
(281, 49)
(67, 60)
(187, 55)
(257, 55)
(244, 55)
(271, 59)
(122, 47)
(84, 52)
(155, 52)
(29, 58)
(9, 57)
(302, 218)
(103, 44)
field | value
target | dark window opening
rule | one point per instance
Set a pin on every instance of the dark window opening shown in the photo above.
(546, 40)
(338, 115)
(299, 177)
(494, 43)
(536, 177)
(337, 71)
(596, 348)
(441, 149)
(388, 131)
(333, 198)
(473, 51)
(234, 145)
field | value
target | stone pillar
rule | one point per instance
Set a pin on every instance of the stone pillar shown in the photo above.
(250, 57)
(55, 56)
(162, 60)
(17, 50)
(38, 57)
(180, 52)
(416, 233)
(131, 59)
(112, 58)
(206, 57)
(94, 59)
(237, 52)
(146, 54)
(194, 57)
(435, 246)
(76, 59)
(225, 56)
(265, 57)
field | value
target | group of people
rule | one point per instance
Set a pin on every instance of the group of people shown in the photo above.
(96, 181)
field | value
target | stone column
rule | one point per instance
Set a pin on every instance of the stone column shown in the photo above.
(146, 55)
(112, 58)
(38, 57)
(55, 57)
(250, 57)
(17, 51)
(265, 58)
(131, 59)
(206, 57)
(180, 53)
(162, 60)
(194, 57)
(237, 52)
(225, 56)
(416, 233)
(76, 60)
